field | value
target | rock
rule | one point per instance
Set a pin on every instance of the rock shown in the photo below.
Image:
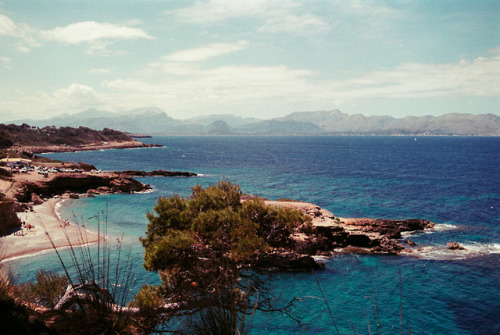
(388, 246)
(410, 242)
(92, 193)
(158, 173)
(73, 196)
(359, 240)
(36, 199)
(8, 216)
(287, 261)
(454, 246)
(103, 189)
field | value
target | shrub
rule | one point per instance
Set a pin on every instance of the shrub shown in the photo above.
(47, 290)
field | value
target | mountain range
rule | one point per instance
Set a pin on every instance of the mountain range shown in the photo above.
(154, 121)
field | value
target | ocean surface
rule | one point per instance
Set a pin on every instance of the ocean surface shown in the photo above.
(453, 181)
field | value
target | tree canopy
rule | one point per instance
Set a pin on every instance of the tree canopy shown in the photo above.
(201, 245)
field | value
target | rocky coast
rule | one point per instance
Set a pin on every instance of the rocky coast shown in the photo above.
(332, 235)
(132, 144)
(35, 197)
(30, 220)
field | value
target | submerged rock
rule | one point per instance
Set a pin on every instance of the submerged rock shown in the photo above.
(454, 246)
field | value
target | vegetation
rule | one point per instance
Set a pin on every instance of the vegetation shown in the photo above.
(201, 247)
(26, 135)
(206, 249)
(47, 290)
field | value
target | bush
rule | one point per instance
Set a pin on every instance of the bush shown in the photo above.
(47, 290)
(202, 245)
(147, 298)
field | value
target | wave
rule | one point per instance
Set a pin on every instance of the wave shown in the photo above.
(44, 251)
(444, 227)
(151, 190)
(443, 253)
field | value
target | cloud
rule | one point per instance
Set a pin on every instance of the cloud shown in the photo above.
(89, 31)
(98, 36)
(478, 77)
(77, 94)
(206, 52)
(74, 98)
(5, 61)
(7, 26)
(24, 34)
(99, 71)
(276, 15)
(249, 88)
(306, 23)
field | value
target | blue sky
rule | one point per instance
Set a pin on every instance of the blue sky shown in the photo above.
(258, 58)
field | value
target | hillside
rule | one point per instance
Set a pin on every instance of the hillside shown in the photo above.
(26, 135)
(154, 121)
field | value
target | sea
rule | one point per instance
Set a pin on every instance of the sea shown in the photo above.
(452, 181)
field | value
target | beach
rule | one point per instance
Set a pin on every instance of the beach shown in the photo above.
(46, 223)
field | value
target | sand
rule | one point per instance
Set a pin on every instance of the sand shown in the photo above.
(46, 223)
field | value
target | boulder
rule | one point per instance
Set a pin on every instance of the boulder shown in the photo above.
(35, 199)
(454, 246)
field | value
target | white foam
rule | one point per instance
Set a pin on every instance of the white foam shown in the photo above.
(444, 227)
(45, 251)
(444, 253)
(151, 190)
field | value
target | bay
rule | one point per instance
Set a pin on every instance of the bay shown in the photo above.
(453, 181)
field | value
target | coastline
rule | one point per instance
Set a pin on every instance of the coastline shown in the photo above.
(88, 147)
(46, 221)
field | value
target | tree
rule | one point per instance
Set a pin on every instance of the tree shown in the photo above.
(204, 246)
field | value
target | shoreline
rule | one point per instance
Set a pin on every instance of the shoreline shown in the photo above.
(46, 221)
(88, 147)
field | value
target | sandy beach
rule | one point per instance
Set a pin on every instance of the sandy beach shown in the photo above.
(46, 223)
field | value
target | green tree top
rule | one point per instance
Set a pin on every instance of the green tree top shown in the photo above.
(200, 244)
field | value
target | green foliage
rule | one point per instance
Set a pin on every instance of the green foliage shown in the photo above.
(5, 140)
(200, 245)
(275, 224)
(216, 197)
(147, 298)
(28, 136)
(47, 290)
(179, 245)
(221, 319)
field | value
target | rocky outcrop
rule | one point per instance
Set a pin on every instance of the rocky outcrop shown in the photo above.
(80, 183)
(454, 246)
(8, 217)
(35, 199)
(157, 173)
(356, 234)
(286, 261)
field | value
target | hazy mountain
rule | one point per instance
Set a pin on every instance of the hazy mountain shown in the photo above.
(279, 127)
(448, 124)
(219, 128)
(154, 121)
(230, 119)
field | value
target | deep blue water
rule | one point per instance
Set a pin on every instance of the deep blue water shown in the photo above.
(453, 181)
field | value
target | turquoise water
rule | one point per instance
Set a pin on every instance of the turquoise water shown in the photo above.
(449, 180)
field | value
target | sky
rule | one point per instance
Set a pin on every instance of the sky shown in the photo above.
(252, 58)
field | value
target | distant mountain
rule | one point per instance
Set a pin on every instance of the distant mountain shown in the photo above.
(219, 128)
(154, 121)
(234, 121)
(336, 122)
(280, 127)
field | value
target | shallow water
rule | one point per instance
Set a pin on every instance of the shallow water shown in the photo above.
(452, 181)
